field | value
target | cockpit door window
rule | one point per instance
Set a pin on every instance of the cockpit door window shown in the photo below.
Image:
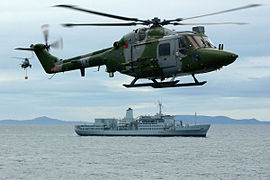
(182, 45)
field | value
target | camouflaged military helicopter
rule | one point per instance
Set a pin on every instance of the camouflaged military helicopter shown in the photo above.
(25, 64)
(152, 52)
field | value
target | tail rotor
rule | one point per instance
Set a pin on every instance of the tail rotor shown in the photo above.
(45, 30)
(58, 44)
(42, 51)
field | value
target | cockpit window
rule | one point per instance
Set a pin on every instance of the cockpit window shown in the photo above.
(208, 42)
(200, 42)
(193, 44)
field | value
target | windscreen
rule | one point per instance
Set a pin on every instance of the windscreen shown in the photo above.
(199, 42)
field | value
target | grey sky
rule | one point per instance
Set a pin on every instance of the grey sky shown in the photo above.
(241, 90)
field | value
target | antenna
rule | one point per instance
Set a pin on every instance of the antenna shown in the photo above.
(195, 118)
(160, 107)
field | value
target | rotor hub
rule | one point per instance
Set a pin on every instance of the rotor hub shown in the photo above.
(156, 22)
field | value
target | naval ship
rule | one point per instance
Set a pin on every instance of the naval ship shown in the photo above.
(157, 125)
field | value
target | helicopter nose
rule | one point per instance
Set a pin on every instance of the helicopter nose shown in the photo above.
(224, 58)
(228, 57)
(234, 56)
(213, 58)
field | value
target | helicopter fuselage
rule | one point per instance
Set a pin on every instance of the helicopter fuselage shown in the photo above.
(147, 53)
(159, 53)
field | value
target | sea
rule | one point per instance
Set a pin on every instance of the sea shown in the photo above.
(56, 152)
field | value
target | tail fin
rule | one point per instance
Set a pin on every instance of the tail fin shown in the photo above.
(46, 59)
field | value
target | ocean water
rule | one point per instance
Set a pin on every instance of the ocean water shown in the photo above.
(56, 152)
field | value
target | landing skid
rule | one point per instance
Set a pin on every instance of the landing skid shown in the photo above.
(156, 84)
(164, 84)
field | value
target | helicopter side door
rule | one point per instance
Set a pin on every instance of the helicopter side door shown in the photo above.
(166, 54)
(182, 52)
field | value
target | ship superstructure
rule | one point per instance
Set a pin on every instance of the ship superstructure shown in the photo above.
(157, 125)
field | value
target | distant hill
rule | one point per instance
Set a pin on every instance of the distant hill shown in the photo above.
(41, 120)
(189, 119)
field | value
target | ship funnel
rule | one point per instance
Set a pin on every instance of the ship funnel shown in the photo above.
(129, 115)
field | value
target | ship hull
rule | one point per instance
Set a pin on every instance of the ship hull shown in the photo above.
(194, 130)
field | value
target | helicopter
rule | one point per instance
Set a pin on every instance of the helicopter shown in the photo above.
(25, 64)
(154, 52)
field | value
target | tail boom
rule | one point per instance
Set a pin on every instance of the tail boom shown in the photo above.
(52, 64)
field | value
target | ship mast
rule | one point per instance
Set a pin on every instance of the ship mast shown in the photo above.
(160, 108)
(195, 118)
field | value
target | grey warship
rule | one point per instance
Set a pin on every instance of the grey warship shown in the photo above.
(157, 125)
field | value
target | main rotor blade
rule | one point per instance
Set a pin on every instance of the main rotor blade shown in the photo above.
(224, 11)
(25, 49)
(221, 23)
(45, 30)
(18, 58)
(165, 22)
(103, 24)
(100, 13)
